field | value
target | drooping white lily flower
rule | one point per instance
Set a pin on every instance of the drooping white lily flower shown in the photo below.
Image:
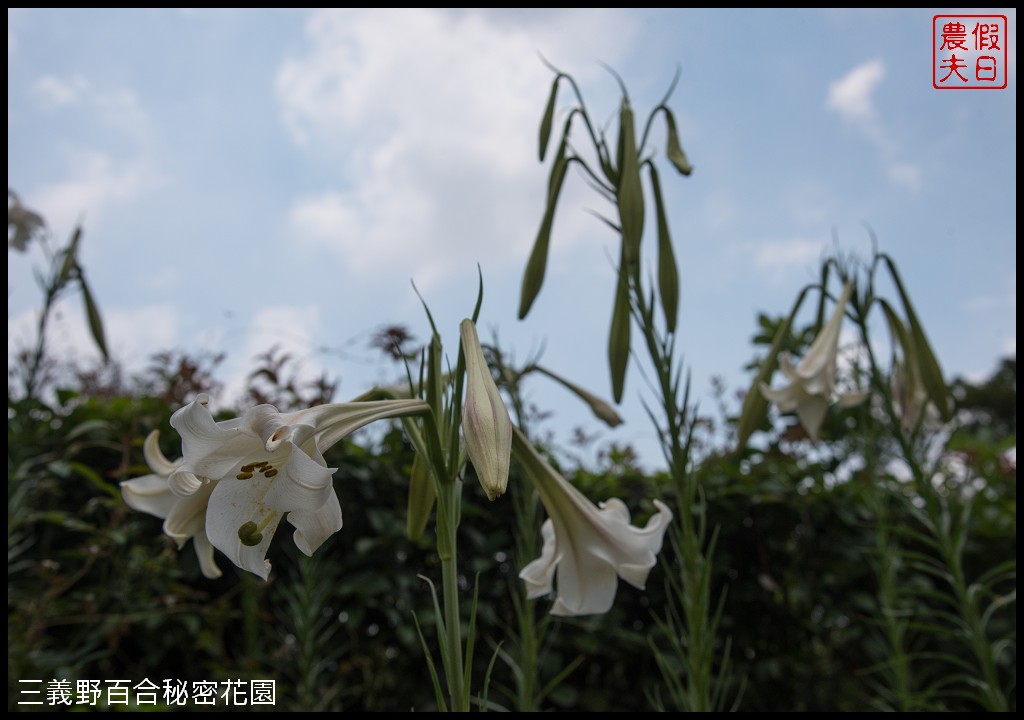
(586, 547)
(812, 383)
(184, 517)
(255, 468)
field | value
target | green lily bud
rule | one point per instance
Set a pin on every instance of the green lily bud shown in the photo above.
(486, 424)
(600, 407)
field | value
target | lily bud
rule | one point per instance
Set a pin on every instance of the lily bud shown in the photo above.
(601, 408)
(485, 421)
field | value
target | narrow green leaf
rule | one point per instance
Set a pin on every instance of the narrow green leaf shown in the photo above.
(467, 668)
(610, 171)
(70, 257)
(536, 266)
(421, 499)
(675, 150)
(95, 321)
(559, 677)
(479, 293)
(95, 479)
(618, 340)
(668, 272)
(610, 223)
(549, 114)
(435, 376)
(431, 667)
(898, 331)
(928, 364)
(820, 321)
(484, 704)
(426, 308)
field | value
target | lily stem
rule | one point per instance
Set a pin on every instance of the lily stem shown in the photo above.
(448, 500)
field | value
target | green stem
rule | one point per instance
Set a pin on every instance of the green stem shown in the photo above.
(448, 499)
(695, 586)
(942, 529)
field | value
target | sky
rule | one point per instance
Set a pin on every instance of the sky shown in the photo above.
(251, 178)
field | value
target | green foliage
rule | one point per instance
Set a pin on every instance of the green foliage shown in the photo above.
(96, 592)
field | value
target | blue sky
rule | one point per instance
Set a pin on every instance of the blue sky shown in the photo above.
(260, 177)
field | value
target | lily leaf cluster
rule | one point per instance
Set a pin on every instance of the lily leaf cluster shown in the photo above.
(615, 170)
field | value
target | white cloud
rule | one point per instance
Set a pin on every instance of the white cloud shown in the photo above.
(780, 258)
(905, 174)
(117, 108)
(445, 106)
(850, 95)
(96, 181)
(136, 333)
(60, 92)
(289, 328)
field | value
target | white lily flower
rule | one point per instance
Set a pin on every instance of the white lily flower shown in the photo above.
(586, 547)
(184, 518)
(812, 383)
(255, 468)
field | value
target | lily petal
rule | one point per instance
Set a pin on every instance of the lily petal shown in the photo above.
(304, 483)
(313, 528)
(853, 398)
(539, 575)
(155, 457)
(233, 505)
(149, 494)
(811, 411)
(184, 517)
(187, 518)
(204, 551)
(210, 449)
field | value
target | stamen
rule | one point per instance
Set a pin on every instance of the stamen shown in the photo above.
(251, 534)
(246, 471)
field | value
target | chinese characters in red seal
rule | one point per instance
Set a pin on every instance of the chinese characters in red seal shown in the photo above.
(969, 52)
